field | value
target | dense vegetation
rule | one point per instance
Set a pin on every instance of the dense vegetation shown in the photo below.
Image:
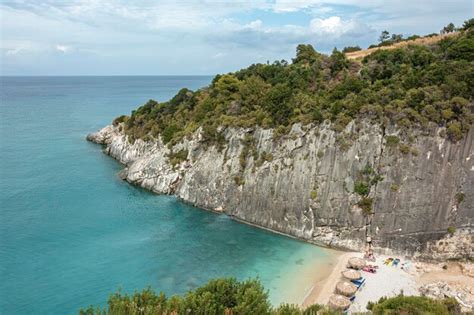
(219, 296)
(230, 297)
(412, 87)
(414, 305)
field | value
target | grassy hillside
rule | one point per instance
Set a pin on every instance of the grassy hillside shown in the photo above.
(416, 40)
(414, 86)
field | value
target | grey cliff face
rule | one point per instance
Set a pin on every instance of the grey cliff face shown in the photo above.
(303, 184)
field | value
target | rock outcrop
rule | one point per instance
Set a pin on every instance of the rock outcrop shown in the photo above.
(303, 183)
(440, 290)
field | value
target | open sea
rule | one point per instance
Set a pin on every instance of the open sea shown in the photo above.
(71, 232)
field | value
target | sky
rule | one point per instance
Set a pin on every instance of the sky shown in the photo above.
(186, 37)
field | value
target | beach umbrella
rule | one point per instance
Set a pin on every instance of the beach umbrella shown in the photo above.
(356, 263)
(351, 274)
(346, 288)
(339, 302)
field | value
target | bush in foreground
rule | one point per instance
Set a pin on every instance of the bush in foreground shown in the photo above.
(414, 305)
(227, 296)
(219, 296)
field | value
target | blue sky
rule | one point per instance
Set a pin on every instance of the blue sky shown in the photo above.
(144, 37)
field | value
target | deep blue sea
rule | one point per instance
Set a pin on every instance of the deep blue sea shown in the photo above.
(71, 232)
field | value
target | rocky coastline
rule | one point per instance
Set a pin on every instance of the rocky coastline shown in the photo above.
(303, 184)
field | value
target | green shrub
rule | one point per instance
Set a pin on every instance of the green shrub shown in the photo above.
(410, 305)
(243, 159)
(249, 147)
(404, 148)
(314, 309)
(375, 179)
(264, 157)
(287, 309)
(368, 170)
(215, 297)
(454, 131)
(361, 188)
(229, 296)
(392, 141)
(459, 197)
(119, 120)
(176, 158)
(366, 205)
(239, 181)
(451, 230)
(349, 49)
(280, 131)
(314, 194)
(452, 305)
(394, 187)
(169, 133)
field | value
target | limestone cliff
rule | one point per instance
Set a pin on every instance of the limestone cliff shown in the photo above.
(303, 184)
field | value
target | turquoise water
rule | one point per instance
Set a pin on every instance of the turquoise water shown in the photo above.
(71, 232)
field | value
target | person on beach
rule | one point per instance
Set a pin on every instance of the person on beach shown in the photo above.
(369, 254)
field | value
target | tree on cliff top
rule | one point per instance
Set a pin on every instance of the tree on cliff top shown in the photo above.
(385, 35)
(305, 54)
(448, 28)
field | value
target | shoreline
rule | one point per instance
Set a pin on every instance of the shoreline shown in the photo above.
(323, 288)
(297, 238)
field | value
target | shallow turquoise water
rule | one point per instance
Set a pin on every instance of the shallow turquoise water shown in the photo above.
(71, 232)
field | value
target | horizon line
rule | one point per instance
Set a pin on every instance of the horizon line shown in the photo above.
(107, 75)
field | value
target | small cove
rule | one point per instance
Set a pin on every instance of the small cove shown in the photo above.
(72, 232)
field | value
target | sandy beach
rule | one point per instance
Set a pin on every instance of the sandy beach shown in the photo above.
(390, 281)
(323, 288)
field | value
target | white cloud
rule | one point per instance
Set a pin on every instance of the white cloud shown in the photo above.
(335, 26)
(63, 48)
(323, 33)
(331, 25)
(255, 25)
(11, 48)
(14, 51)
